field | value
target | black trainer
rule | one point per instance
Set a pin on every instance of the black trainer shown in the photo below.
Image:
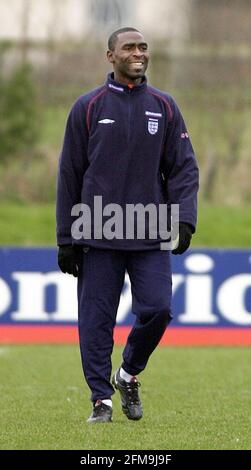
(101, 413)
(129, 393)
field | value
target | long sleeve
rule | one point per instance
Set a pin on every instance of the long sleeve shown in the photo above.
(180, 169)
(72, 166)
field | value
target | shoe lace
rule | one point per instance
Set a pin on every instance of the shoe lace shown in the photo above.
(132, 391)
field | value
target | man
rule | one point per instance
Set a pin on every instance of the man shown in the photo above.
(127, 142)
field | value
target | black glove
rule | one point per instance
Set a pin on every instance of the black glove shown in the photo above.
(185, 235)
(68, 259)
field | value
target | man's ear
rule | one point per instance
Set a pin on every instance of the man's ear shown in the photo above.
(110, 57)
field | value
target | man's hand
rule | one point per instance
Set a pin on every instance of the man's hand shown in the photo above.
(67, 260)
(185, 235)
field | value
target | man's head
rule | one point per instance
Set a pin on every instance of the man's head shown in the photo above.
(128, 53)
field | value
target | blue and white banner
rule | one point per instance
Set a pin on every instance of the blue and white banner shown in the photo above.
(211, 288)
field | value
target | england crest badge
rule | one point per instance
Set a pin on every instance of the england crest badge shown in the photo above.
(153, 125)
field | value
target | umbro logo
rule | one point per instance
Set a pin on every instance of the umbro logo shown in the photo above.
(106, 121)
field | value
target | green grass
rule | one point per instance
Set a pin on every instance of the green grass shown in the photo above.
(223, 226)
(194, 398)
(34, 225)
(27, 225)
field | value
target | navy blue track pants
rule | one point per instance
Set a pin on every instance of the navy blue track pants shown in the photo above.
(100, 283)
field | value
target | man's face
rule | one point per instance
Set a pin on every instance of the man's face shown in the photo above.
(130, 57)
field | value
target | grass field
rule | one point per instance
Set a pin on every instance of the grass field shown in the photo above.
(34, 224)
(194, 398)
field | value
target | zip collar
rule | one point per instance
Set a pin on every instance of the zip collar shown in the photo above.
(117, 87)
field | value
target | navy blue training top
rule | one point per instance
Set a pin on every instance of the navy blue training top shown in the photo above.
(130, 146)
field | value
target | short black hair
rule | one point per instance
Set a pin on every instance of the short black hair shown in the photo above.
(114, 36)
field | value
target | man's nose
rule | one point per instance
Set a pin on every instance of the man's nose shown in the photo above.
(137, 53)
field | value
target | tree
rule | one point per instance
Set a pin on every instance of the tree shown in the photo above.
(19, 124)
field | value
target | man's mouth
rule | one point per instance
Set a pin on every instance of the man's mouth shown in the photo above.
(137, 64)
